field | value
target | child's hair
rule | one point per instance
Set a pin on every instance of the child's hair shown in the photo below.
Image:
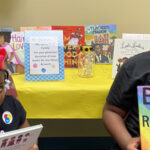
(7, 36)
(3, 76)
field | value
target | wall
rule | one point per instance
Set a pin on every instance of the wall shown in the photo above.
(131, 16)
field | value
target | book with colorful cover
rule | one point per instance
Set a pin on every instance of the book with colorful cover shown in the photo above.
(22, 29)
(73, 37)
(17, 42)
(101, 38)
(143, 93)
(44, 55)
(12, 61)
(20, 139)
(126, 48)
(136, 36)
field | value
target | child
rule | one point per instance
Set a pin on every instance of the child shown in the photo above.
(12, 113)
(13, 62)
(120, 113)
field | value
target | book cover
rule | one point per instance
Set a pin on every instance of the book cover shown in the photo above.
(22, 29)
(143, 93)
(12, 62)
(6, 29)
(73, 37)
(17, 42)
(136, 36)
(101, 38)
(126, 48)
(21, 139)
(44, 57)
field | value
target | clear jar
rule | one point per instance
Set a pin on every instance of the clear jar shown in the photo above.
(86, 60)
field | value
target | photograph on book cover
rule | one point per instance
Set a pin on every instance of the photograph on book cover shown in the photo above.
(12, 61)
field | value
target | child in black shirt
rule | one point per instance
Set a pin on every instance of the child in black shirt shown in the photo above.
(12, 113)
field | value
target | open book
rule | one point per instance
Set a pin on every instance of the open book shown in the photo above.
(20, 139)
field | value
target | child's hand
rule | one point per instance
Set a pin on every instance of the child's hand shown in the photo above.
(34, 147)
(133, 144)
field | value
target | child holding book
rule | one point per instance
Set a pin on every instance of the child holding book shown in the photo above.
(120, 113)
(12, 113)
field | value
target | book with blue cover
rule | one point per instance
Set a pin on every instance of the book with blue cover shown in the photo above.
(9, 29)
(44, 55)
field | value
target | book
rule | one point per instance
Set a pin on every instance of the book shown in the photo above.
(44, 56)
(126, 48)
(143, 93)
(101, 38)
(12, 62)
(20, 139)
(22, 29)
(6, 29)
(17, 43)
(73, 38)
(136, 36)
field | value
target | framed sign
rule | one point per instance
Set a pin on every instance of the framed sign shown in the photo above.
(44, 56)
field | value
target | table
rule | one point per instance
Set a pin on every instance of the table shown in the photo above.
(75, 97)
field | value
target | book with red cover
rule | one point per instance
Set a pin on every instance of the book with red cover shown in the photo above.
(73, 37)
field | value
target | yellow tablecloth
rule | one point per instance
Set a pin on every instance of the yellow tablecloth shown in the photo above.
(75, 97)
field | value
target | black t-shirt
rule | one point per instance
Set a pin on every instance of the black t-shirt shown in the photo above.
(123, 93)
(12, 114)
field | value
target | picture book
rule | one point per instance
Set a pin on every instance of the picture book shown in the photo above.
(126, 48)
(17, 43)
(136, 36)
(12, 62)
(101, 38)
(22, 29)
(44, 56)
(143, 93)
(21, 139)
(73, 38)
